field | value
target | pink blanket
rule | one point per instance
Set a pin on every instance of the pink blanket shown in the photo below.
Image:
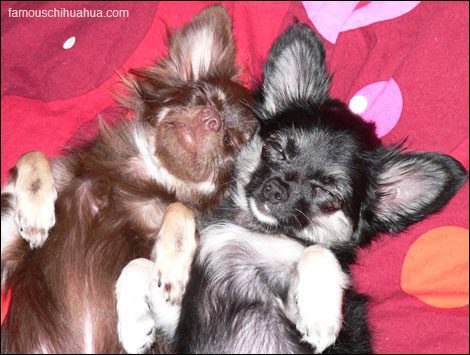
(403, 65)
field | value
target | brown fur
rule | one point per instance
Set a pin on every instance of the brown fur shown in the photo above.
(109, 207)
(174, 251)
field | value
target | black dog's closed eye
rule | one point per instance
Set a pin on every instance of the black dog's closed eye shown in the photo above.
(274, 149)
(327, 197)
(277, 147)
(317, 188)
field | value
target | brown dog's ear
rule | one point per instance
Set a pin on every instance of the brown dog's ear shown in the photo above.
(204, 47)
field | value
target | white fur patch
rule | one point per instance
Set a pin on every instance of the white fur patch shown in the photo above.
(10, 233)
(316, 296)
(328, 229)
(141, 307)
(261, 216)
(201, 51)
(148, 212)
(135, 321)
(9, 227)
(61, 172)
(85, 197)
(44, 350)
(165, 315)
(146, 152)
(275, 247)
(88, 334)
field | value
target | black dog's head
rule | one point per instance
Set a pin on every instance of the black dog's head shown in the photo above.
(319, 172)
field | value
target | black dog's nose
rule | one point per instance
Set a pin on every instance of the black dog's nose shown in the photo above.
(275, 191)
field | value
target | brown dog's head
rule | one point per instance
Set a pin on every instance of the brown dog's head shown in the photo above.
(195, 104)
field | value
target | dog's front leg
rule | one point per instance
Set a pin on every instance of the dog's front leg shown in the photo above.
(33, 195)
(149, 293)
(174, 251)
(27, 208)
(136, 326)
(315, 297)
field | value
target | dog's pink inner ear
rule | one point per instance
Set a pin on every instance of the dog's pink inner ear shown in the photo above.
(403, 192)
(205, 47)
(407, 186)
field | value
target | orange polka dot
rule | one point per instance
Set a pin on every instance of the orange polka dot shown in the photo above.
(435, 269)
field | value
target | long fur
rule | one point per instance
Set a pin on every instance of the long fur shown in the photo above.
(315, 174)
(112, 192)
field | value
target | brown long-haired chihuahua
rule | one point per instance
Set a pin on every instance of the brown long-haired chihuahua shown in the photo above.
(191, 118)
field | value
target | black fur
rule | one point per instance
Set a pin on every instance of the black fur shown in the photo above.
(316, 160)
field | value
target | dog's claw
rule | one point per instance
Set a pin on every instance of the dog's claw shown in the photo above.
(174, 251)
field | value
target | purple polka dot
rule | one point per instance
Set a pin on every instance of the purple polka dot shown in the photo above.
(380, 102)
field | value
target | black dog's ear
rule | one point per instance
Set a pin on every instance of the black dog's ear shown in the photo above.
(295, 70)
(413, 185)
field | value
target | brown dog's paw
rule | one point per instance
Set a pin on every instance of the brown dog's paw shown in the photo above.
(35, 198)
(174, 251)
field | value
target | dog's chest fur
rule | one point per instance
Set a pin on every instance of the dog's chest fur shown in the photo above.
(109, 210)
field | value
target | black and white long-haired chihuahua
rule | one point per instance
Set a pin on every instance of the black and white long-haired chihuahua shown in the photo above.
(316, 179)
(315, 183)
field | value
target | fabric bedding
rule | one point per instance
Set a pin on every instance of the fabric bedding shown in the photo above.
(403, 65)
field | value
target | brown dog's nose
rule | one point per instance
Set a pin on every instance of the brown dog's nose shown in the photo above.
(210, 120)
